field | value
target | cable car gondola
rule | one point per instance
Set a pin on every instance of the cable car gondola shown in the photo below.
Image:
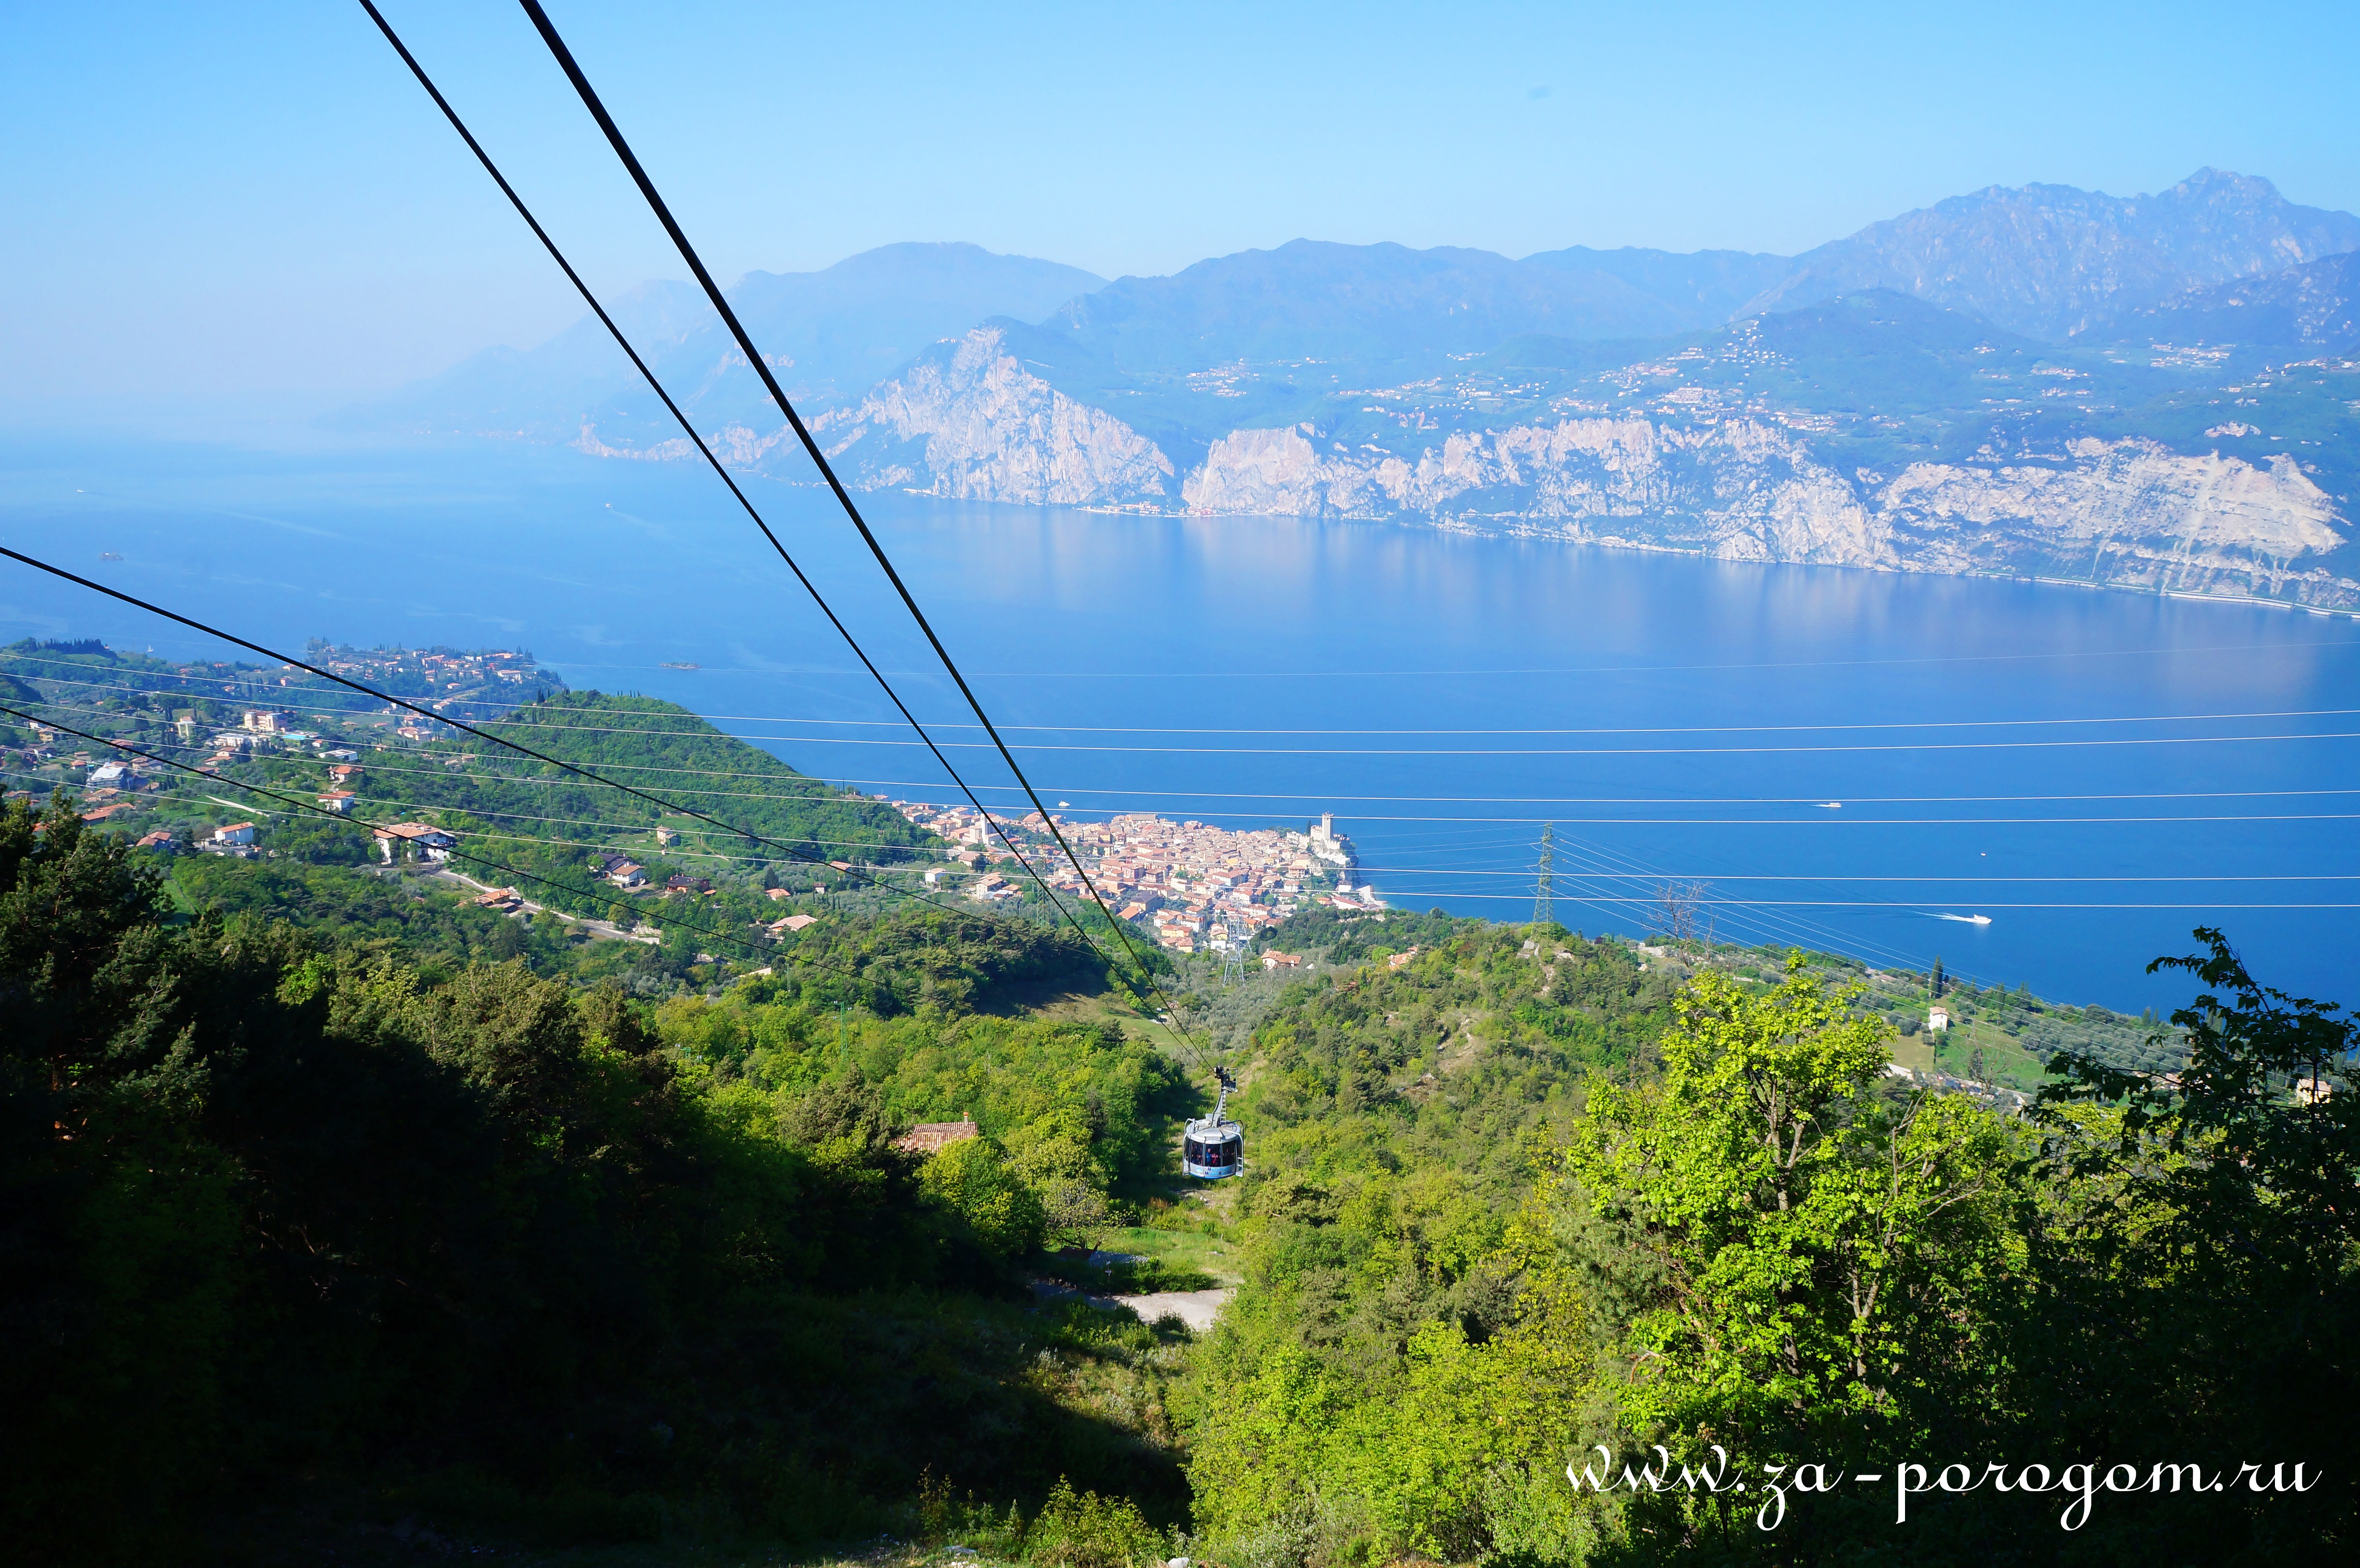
(1213, 1148)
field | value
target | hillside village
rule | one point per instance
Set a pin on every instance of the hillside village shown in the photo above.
(1193, 885)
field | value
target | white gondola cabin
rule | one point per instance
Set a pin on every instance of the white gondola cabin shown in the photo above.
(1214, 1147)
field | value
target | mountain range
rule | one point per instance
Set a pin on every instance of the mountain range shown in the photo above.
(2041, 381)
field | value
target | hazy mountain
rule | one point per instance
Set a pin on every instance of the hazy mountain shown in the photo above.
(1242, 336)
(1704, 287)
(851, 325)
(2313, 307)
(2049, 261)
(2041, 381)
(546, 393)
(1312, 299)
(827, 334)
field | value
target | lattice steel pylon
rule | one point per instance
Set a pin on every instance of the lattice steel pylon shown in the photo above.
(1545, 882)
(1233, 950)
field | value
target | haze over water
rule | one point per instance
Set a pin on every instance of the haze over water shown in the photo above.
(1255, 671)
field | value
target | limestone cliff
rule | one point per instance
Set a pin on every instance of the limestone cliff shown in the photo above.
(967, 420)
(2130, 512)
(970, 420)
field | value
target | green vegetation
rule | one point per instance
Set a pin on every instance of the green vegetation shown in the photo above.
(295, 1226)
(348, 1218)
(1517, 1198)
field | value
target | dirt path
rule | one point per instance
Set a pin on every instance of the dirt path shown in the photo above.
(595, 928)
(1198, 1309)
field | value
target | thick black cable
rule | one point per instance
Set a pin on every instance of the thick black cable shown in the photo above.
(615, 139)
(657, 801)
(147, 755)
(647, 373)
(734, 490)
(655, 385)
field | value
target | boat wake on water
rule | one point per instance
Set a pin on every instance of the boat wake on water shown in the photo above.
(1963, 919)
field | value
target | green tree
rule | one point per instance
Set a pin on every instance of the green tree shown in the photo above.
(1793, 1250)
(2200, 1265)
(968, 1179)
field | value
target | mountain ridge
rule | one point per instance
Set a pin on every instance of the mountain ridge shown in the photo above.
(1980, 386)
(830, 334)
(2311, 306)
(2103, 254)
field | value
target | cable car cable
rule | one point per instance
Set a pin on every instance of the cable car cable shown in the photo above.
(550, 245)
(145, 754)
(793, 851)
(761, 369)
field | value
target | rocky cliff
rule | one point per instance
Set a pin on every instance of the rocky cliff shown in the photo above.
(967, 420)
(2130, 512)
(970, 420)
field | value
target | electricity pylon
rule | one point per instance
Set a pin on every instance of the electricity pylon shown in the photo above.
(1233, 950)
(1544, 888)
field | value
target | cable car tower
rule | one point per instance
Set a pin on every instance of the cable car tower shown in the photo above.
(1236, 938)
(1214, 1147)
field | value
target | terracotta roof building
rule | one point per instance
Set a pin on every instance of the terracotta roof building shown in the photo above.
(930, 1138)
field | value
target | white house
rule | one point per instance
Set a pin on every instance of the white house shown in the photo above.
(234, 833)
(1937, 1019)
(427, 842)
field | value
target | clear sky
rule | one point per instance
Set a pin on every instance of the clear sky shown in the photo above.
(251, 205)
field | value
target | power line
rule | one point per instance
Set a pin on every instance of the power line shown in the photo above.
(503, 870)
(1315, 795)
(1841, 877)
(472, 777)
(1580, 751)
(761, 369)
(550, 245)
(796, 775)
(709, 720)
(795, 852)
(1881, 903)
(1611, 668)
(1599, 729)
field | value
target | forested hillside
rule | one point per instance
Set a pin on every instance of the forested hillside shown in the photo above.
(1515, 1195)
(334, 1230)
(294, 1226)
(659, 748)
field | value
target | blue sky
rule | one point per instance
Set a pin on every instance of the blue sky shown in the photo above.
(253, 205)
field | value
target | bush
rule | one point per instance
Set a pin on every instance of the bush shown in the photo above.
(1083, 1530)
(968, 1179)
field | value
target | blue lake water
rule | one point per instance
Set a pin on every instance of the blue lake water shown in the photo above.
(2097, 772)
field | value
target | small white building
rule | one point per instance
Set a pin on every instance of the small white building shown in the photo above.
(234, 833)
(429, 842)
(1937, 1019)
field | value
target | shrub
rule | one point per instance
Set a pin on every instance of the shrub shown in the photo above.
(969, 1180)
(1083, 1530)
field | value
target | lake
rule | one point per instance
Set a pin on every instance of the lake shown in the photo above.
(2096, 772)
